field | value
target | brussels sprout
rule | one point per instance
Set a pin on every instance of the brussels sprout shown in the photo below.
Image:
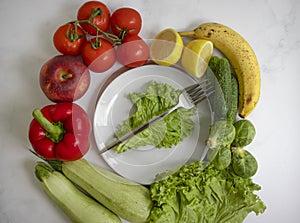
(244, 163)
(223, 158)
(244, 133)
(211, 154)
(221, 133)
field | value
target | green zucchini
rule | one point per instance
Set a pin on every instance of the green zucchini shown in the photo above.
(76, 205)
(129, 200)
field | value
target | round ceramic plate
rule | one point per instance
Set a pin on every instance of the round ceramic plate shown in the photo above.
(113, 108)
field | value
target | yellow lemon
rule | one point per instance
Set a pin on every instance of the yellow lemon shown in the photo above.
(196, 55)
(166, 48)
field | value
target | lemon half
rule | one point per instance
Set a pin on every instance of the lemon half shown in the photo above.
(166, 48)
(196, 55)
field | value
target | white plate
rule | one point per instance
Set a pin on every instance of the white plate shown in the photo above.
(143, 164)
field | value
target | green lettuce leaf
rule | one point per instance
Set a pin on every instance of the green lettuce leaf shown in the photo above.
(197, 194)
(165, 133)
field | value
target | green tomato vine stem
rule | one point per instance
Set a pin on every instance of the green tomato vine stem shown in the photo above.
(72, 34)
(113, 38)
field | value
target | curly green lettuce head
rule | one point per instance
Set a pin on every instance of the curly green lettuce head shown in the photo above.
(197, 194)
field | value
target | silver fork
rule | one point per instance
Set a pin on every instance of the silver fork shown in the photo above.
(189, 97)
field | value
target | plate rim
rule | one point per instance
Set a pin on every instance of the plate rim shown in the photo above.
(123, 70)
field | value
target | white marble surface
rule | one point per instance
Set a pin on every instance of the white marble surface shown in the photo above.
(271, 27)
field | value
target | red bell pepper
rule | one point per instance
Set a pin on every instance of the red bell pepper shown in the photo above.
(60, 131)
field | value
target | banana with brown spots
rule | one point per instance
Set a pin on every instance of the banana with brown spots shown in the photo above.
(241, 56)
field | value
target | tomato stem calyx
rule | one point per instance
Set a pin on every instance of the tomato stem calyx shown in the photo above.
(123, 32)
(95, 12)
(72, 34)
(96, 44)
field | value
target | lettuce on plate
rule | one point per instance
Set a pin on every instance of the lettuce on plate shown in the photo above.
(197, 194)
(167, 132)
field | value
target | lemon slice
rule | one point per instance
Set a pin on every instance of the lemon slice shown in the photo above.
(196, 55)
(166, 48)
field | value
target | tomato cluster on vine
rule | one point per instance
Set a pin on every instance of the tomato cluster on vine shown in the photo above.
(102, 38)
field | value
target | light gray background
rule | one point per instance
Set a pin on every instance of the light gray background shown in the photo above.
(271, 27)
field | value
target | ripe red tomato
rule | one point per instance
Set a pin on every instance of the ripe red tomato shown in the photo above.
(68, 39)
(98, 59)
(125, 20)
(133, 52)
(97, 13)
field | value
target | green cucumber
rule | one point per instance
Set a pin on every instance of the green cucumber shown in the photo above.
(226, 95)
(223, 74)
(216, 99)
(75, 204)
(233, 103)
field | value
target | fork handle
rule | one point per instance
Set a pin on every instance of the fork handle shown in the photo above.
(137, 130)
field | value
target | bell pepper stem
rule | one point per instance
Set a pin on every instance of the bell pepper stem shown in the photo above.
(54, 130)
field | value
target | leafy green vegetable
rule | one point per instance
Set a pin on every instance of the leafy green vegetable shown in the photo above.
(245, 133)
(244, 163)
(165, 133)
(197, 194)
(221, 133)
(223, 158)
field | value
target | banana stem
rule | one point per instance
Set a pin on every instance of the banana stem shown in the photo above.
(187, 34)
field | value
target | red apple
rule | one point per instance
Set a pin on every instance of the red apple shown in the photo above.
(64, 78)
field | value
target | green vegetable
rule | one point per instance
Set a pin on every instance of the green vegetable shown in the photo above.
(222, 71)
(244, 163)
(225, 101)
(130, 200)
(77, 206)
(233, 102)
(220, 68)
(221, 134)
(223, 158)
(198, 194)
(245, 133)
(165, 133)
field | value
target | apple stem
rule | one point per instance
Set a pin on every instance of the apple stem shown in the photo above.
(54, 131)
(66, 76)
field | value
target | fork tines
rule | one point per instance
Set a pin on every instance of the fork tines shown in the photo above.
(198, 92)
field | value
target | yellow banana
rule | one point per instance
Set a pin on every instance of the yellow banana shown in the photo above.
(241, 56)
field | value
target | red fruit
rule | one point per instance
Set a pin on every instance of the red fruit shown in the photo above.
(64, 78)
(68, 39)
(125, 21)
(133, 52)
(97, 13)
(98, 55)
